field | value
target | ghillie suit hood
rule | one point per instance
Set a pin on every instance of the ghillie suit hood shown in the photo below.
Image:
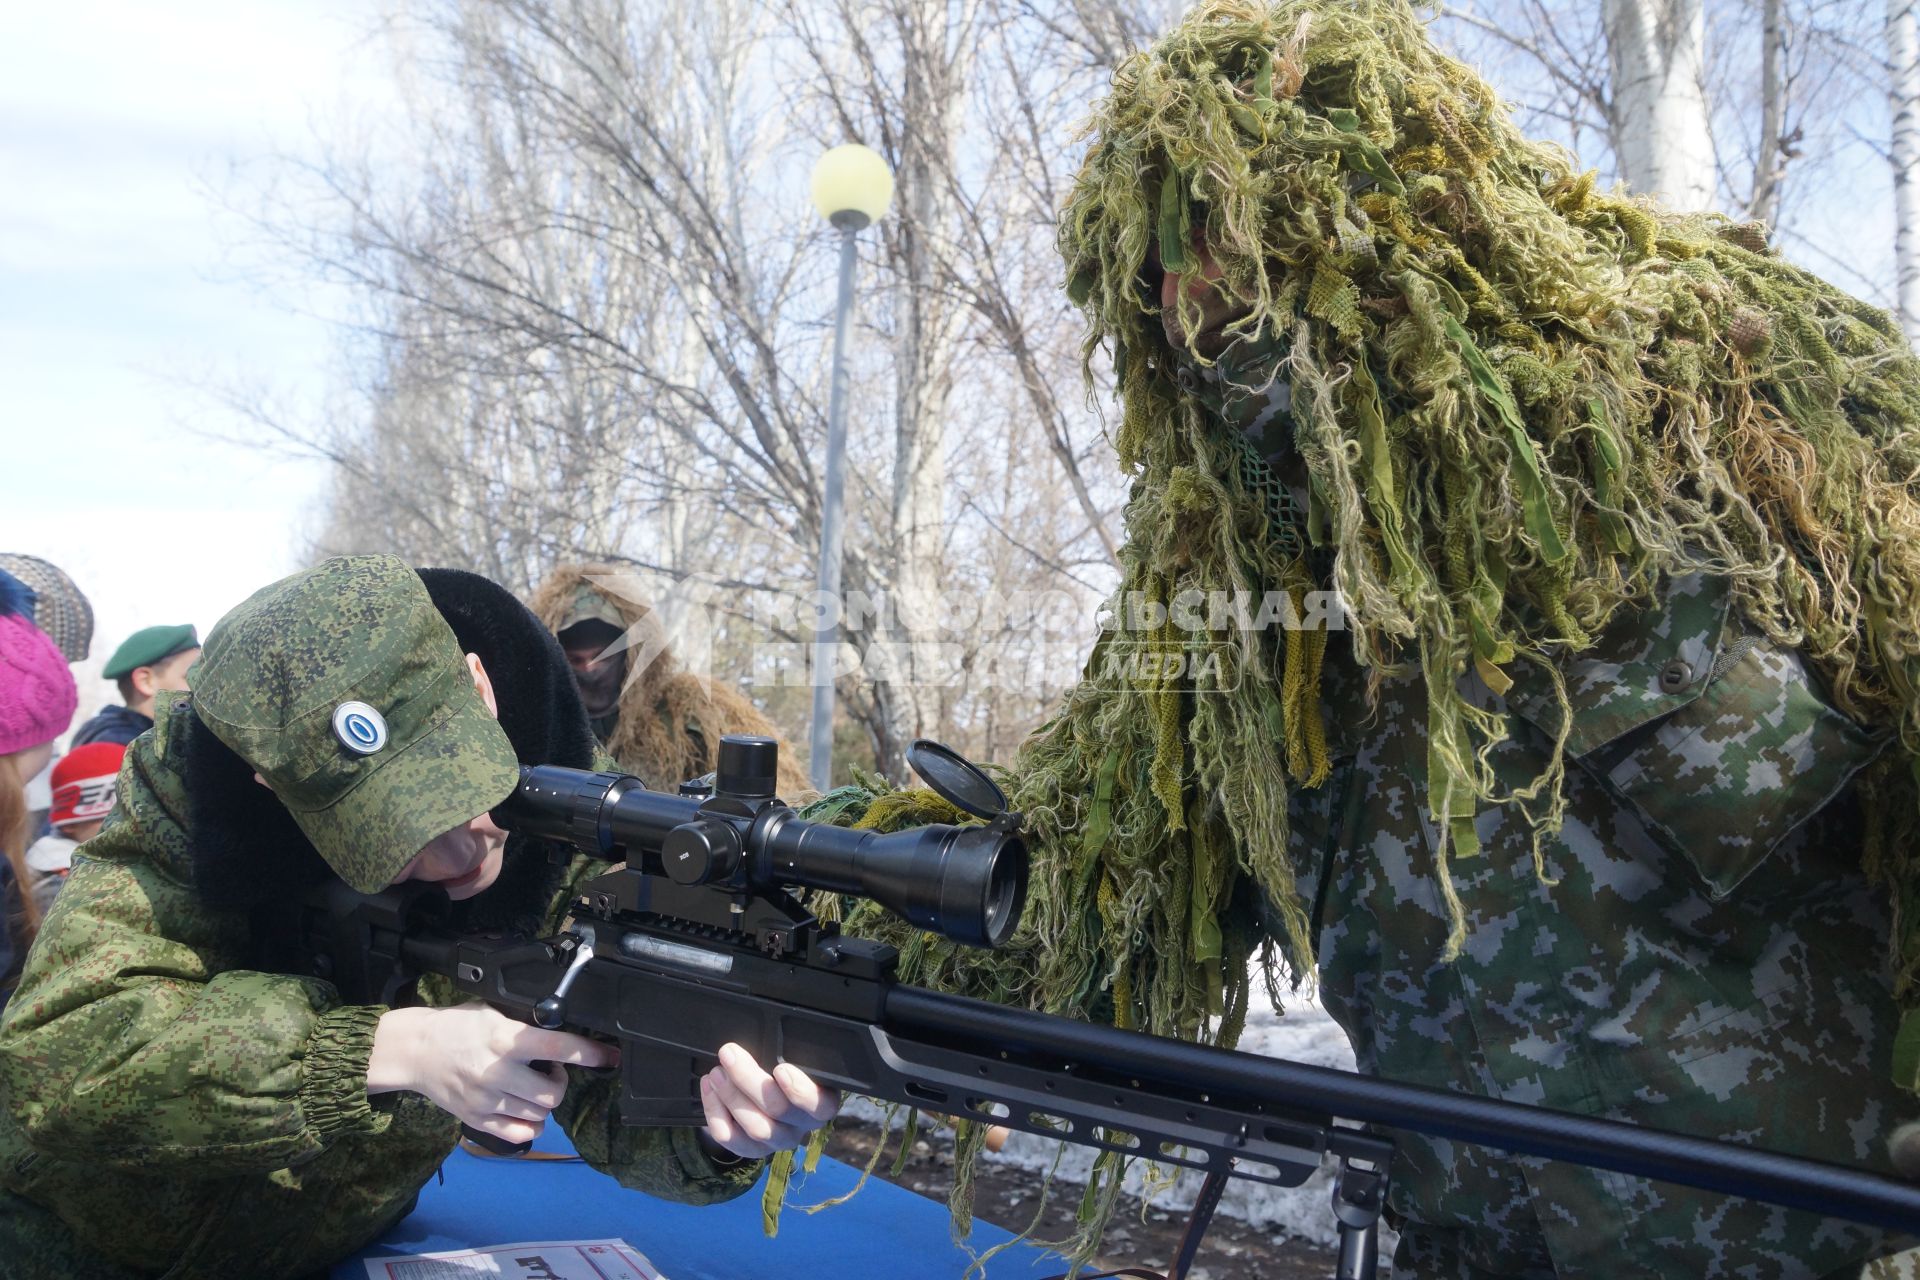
(1522, 404)
(670, 721)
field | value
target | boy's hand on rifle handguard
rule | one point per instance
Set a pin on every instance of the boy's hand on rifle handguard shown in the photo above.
(753, 1113)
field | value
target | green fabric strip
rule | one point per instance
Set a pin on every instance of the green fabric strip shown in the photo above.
(1533, 487)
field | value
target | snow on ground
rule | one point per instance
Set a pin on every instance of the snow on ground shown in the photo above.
(1304, 1034)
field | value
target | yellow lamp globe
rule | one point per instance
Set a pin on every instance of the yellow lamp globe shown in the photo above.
(851, 183)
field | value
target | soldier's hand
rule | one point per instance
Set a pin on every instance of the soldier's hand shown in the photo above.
(754, 1113)
(476, 1063)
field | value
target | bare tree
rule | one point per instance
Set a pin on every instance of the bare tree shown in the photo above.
(593, 306)
(592, 318)
(1903, 101)
(1791, 92)
(1772, 153)
(1659, 123)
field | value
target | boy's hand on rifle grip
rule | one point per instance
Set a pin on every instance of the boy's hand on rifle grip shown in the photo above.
(754, 1113)
(476, 1063)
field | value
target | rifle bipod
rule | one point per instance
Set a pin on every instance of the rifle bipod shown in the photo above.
(1359, 1193)
(1203, 1207)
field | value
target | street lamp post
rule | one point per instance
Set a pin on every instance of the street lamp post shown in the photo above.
(852, 187)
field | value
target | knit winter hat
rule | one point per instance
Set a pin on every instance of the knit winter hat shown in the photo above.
(37, 695)
(60, 608)
(85, 782)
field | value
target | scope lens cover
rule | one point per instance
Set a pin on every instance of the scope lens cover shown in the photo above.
(956, 779)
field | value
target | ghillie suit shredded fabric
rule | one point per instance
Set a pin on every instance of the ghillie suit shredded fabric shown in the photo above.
(669, 722)
(1521, 406)
(1521, 403)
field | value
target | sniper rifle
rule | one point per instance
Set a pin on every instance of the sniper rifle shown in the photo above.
(698, 939)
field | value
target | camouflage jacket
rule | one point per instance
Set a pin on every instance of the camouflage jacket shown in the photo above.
(171, 1114)
(1702, 953)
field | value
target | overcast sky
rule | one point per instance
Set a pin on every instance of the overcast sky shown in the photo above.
(120, 295)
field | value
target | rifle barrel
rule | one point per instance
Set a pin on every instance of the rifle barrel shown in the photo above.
(1829, 1190)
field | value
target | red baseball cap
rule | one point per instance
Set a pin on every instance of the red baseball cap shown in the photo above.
(83, 782)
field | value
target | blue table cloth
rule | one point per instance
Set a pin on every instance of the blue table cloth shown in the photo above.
(883, 1232)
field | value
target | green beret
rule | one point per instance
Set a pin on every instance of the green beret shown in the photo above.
(150, 645)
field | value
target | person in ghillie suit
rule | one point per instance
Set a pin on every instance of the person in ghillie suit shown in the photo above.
(1604, 798)
(662, 724)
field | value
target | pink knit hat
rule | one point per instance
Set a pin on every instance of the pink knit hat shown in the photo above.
(37, 696)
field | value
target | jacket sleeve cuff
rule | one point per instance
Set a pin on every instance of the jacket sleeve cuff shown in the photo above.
(333, 1089)
(719, 1174)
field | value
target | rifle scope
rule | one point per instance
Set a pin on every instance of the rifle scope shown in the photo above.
(965, 883)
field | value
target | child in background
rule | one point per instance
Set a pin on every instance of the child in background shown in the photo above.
(61, 611)
(83, 791)
(37, 699)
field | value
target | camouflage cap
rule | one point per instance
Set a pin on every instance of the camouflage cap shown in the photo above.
(345, 688)
(591, 604)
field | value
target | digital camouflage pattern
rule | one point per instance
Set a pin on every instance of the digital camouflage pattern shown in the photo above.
(355, 629)
(1700, 954)
(169, 1113)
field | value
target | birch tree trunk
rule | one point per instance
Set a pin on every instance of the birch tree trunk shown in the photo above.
(1658, 114)
(1770, 161)
(1903, 94)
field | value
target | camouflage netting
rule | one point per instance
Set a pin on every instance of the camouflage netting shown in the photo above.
(1522, 402)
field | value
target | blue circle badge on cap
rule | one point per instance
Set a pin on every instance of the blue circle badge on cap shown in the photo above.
(359, 727)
